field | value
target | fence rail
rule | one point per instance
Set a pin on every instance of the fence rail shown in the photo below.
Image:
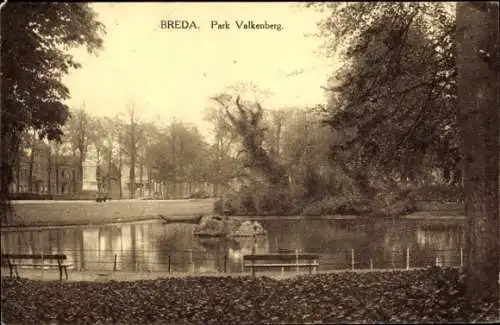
(193, 261)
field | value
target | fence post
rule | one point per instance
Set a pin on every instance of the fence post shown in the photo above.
(461, 257)
(43, 263)
(191, 261)
(169, 261)
(371, 264)
(393, 257)
(225, 263)
(114, 264)
(408, 258)
(352, 259)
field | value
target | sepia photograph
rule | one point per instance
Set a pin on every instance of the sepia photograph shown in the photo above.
(249, 162)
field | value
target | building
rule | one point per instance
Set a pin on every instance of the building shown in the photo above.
(97, 179)
(57, 177)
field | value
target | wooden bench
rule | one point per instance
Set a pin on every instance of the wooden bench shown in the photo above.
(287, 260)
(13, 261)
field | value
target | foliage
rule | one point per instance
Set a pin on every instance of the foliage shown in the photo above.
(178, 154)
(34, 37)
(342, 205)
(33, 61)
(439, 193)
(247, 122)
(423, 296)
(394, 96)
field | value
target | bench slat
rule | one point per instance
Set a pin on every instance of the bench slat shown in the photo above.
(35, 256)
(281, 257)
(34, 264)
(281, 265)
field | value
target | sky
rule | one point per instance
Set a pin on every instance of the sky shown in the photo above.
(172, 73)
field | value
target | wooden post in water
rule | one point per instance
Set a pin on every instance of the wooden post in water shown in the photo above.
(297, 261)
(191, 261)
(408, 258)
(461, 257)
(352, 259)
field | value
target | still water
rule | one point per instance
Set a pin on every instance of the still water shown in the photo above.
(153, 246)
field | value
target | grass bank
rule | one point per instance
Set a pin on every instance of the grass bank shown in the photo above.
(45, 213)
(421, 296)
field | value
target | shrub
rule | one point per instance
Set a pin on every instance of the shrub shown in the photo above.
(338, 205)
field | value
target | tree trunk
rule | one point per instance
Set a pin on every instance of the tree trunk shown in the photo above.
(58, 181)
(149, 180)
(132, 176)
(6, 144)
(49, 170)
(31, 165)
(110, 167)
(478, 89)
(80, 172)
(18, 171)
(120, 173)
(141, 175)
(278, 140)
(73, 181)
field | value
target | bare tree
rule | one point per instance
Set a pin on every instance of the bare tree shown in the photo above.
(79, 133)
(224, 141)
(131, 131)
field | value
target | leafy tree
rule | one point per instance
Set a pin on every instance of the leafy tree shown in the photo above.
(175, 155)
(305, 152)
(34, 36)
(269, 178)
(393, 100)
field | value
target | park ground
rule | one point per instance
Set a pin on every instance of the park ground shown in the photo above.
(433, 295)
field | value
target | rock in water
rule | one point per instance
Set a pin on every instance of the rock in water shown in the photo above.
(216, 226)
(249, 229)
(211, 226)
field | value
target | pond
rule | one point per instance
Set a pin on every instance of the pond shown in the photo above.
(154, 246)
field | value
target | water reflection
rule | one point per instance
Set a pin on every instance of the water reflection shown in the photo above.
(153, 246)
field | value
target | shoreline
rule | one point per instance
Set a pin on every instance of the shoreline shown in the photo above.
(152, 218)
(128, 276)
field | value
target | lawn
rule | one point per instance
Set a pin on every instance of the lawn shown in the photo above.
(422, 296)
(91, 212)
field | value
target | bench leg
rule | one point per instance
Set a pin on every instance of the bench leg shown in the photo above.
(66, 272)
(60, 273)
